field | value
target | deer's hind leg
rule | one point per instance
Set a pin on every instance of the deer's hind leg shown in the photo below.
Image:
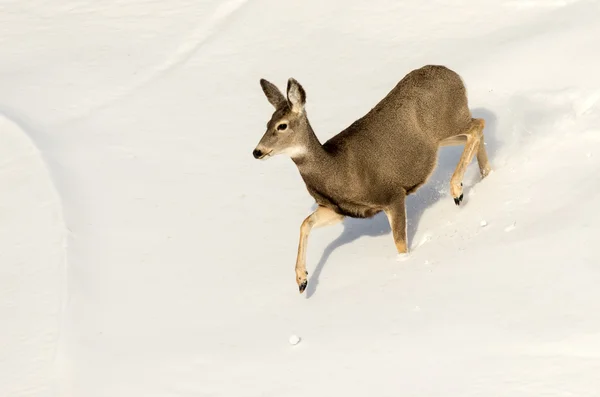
(322, 216)
(482, 157)
(474, 145)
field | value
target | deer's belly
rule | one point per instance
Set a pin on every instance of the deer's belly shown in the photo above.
(345, 207)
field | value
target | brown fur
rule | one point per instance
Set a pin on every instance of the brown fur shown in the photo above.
(387, 154)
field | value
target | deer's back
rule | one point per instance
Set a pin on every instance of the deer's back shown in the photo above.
(395, 144)
(429, 103)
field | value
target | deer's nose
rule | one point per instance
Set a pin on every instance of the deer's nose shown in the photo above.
(257, 153)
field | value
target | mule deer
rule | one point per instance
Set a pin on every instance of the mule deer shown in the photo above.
(381, 158)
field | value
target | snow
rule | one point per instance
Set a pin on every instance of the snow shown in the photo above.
(33, 272)
(294, 339)
(146, 252)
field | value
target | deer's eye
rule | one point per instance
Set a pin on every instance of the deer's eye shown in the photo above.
(281, 127)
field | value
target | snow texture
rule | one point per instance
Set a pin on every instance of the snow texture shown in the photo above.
(145, 252)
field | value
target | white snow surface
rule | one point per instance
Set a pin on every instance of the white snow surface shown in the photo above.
(145, 252)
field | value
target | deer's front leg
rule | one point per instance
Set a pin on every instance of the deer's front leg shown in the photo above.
(322, 216)
(397, 216)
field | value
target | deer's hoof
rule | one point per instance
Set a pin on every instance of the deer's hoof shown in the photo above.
(458, 200)
(301, 281)
(302, 286)
(457, 192)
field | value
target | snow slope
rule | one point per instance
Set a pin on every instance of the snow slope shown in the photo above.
(32, 271)
(177, 279)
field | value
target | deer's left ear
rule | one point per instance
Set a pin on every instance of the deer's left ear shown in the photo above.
(296, 96)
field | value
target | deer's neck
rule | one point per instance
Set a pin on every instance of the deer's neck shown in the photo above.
(314, 163)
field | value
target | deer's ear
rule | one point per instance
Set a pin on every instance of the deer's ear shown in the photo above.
(273, 94)
(296, 96)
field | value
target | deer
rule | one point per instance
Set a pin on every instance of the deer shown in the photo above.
(379, 159)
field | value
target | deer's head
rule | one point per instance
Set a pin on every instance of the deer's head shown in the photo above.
(288, 129)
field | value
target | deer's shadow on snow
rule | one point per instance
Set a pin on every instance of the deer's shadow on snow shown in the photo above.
(416, 204)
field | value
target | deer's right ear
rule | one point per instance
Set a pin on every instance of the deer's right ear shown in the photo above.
(273, 94)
